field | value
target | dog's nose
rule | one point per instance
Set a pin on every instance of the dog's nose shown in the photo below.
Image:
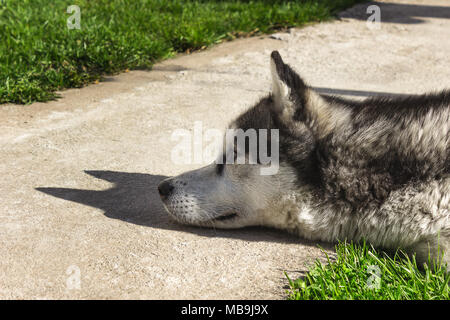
(165, 188)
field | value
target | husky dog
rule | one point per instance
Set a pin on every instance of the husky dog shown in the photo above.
(377, 169)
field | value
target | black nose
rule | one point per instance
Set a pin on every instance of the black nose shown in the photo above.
(165, 188)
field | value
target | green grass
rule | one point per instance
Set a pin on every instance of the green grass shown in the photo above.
(39, 54)
(360, 272)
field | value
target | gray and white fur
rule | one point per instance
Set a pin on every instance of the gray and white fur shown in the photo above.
(376, 169)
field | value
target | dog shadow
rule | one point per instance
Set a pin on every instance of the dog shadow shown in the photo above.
(134, 198)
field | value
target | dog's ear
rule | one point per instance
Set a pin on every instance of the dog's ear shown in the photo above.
(295, 103)
(287, 86)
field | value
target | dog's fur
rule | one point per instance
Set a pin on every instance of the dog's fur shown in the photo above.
(376, 169)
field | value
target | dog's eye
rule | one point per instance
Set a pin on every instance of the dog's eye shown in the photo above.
(219, 169)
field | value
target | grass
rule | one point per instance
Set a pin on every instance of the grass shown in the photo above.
(39, 54)
(362, 273)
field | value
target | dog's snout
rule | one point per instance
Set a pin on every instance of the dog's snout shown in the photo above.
(165, 188)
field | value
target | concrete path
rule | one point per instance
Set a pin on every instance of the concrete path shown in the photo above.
(79, 175)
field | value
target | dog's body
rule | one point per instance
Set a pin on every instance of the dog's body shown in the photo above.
(377, 169)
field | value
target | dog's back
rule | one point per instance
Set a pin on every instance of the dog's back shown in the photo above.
(384, 144)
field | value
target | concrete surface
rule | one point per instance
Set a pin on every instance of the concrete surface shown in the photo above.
(79, 175)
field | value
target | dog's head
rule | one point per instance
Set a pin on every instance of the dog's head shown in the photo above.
(241, 188)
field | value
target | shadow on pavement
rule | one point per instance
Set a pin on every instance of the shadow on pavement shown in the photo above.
(134, 199)
(358, 93)
(398, 12)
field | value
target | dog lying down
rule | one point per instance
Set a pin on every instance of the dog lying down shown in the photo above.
(377, 169)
